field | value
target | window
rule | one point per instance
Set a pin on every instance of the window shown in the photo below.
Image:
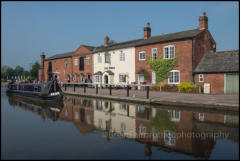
(98, 78)
(76, 116)
(100, 122)
(88, 119)
(154, 112)
(66, 113)
(88, 61)
(169, 52)
(153, 77)
(201, 116)
(65, 63)
(107, 58)
(99, 59)
(88, 76)
(81, 77)
(81, 63)
(142, 130)
(169, 138)
(174, 77)
(174, 115)
(122, 56)
(201, 78)
(142, 55)
(75, 77)
(75, 62)
(154, 134)
(123, 126)
(122, 78)
(154, 53)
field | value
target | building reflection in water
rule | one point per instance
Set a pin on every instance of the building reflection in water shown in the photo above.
(167, 129)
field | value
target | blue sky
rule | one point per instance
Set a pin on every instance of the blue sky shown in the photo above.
(29, 28)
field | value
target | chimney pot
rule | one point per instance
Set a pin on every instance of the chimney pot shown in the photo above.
(106, 39)
(204, 13)
(147, 31)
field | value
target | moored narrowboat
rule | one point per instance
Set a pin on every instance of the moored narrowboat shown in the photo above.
(46, 91)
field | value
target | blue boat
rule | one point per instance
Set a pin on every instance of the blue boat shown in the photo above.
(46, 91)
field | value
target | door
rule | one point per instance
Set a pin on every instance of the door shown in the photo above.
(106, 79)
(140, 79)
(232, 84)
(153, 77)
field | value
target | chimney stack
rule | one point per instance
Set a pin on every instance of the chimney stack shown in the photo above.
(42, 59)
(106, 39)
(203, 21)
(147, 31)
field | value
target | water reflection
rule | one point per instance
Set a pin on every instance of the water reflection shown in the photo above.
(169, 130)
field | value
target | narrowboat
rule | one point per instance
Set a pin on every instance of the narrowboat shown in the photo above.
(46, 91)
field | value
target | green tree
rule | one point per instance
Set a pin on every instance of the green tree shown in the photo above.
(18, 71)
(162, 67)
(34, 70)
(7, 72)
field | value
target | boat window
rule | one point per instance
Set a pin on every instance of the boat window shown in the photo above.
(39, 88)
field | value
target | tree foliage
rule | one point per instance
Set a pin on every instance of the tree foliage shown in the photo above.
(162, 67)
(34, 70)
(144, 72)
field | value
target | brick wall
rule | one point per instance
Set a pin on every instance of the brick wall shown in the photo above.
(216, 82)
(82, 52)
(183, 49)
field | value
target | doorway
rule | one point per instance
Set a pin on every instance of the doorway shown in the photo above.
(106, 80)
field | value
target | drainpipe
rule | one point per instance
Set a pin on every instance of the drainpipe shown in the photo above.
(193, 58)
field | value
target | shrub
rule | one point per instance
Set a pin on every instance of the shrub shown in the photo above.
(186, 87)
(160, 85)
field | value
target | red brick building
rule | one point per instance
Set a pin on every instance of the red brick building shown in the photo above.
(68, 67)
(218, 72)
(189, 46)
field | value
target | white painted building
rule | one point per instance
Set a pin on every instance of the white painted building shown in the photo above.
(114, 63)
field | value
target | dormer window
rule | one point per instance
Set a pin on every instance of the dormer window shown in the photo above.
(169, 52)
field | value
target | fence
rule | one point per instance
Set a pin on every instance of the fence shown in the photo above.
(109, 89)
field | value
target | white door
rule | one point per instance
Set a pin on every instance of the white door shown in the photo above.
(140, 79)
(153, 77)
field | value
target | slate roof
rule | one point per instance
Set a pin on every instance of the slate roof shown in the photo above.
(138, 42)
(64, 55)
(90, 48)
(154, 39)
(219, 62)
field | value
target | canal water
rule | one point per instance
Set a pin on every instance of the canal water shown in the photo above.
(84, 128)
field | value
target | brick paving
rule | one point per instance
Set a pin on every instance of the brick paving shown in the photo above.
(160, 97)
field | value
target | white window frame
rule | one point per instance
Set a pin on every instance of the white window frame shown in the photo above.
(154, 134)
(169, 138)
(76, 62)
(99, 59)
(173, 115)
(65, 63)
(139, 54)
(76, 115)
(142, 130)
(87, 60)
(97, 78)
(120, 78)
(154, 53)
(123, 126)
(169, 54)
(201, 76)
(201, 116)
(122, 56)
(174, 82)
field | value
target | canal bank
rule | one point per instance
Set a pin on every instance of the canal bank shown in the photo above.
(196, 101)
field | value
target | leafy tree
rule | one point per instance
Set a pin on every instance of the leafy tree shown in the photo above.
(162, 67)
(19, 71)
(7, 71)
(34, 70)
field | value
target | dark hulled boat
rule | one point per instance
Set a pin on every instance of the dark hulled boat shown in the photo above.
(46, 91)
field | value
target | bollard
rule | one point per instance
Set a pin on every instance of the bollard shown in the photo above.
(74, 87)
(127, 90)
(96, 88)
(85, 88)
(147, 92)
(110, 88)
(65, 87)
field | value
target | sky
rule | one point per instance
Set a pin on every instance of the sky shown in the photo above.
(29, 28)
